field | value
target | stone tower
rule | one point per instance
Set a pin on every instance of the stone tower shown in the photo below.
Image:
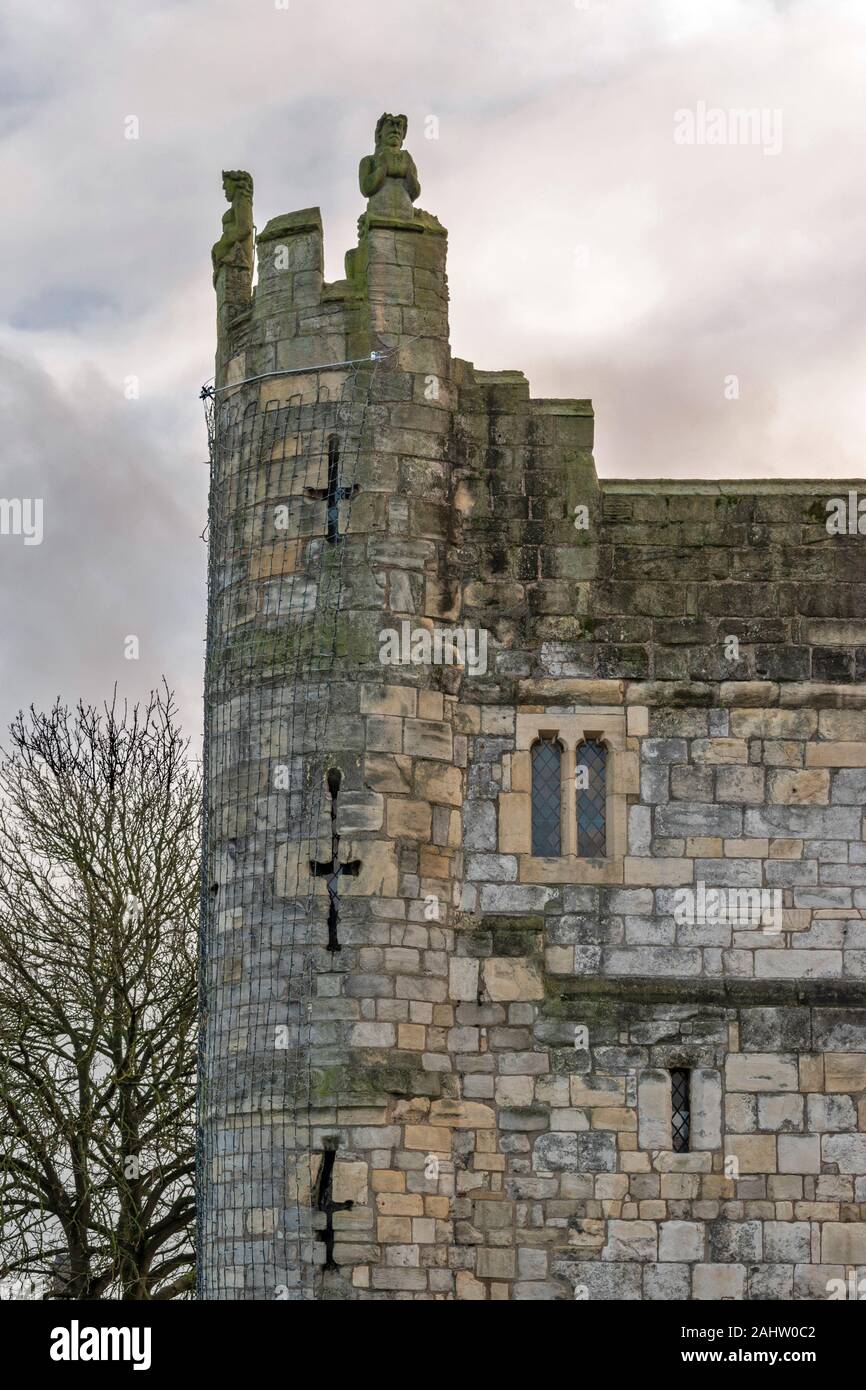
(535, 878)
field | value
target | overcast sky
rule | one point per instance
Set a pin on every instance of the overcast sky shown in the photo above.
(590, 245)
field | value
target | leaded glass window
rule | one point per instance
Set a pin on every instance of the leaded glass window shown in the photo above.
(547, 797)
(680, 1110)
(590, 782)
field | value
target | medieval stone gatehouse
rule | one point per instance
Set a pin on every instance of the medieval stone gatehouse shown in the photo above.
(534, 936)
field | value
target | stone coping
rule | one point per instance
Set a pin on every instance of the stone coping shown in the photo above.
(726, 991)
(563, 691)
(291, 224)
(735, 487)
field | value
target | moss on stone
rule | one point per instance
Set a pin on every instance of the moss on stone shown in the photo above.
(533, 922)
(353, 1081)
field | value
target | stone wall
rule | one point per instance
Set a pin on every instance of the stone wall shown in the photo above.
(490, 1051)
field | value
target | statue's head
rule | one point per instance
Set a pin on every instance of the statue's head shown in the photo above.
(390, 131)
(236, 181)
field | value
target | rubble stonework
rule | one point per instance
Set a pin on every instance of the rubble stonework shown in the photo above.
(490, 1050)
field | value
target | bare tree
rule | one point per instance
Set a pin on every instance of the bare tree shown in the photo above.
(99, 888)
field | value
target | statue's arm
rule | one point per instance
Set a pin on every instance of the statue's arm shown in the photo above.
(413, 187)
(371, 174)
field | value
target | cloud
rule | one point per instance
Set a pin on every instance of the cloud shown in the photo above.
(123, 497)
(586, 248)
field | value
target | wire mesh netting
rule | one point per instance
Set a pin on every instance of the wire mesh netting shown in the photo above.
(283, 463)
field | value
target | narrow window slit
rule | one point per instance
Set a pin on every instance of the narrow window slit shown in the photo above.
(332, 869)
(334, 493)
(680, 1109)
(325, 1200)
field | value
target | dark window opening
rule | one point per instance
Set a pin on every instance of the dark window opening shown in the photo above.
(591, 784)
(680, 1109)
(331, 869)
(325, 1200)
(547, 797)
(333, 494)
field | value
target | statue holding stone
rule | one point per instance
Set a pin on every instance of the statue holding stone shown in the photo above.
(388, 177)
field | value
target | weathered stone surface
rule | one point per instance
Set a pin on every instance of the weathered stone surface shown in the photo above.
(630, 1240)
(787, 1242)
(682, 1240)
(555, 1152)
(654, 1110)
(482, 1034)
(713, 1281)
(463, 973)
(843, 1244)
(706, 1102)
(512, 979)
(760, 1072)
(846, 1150)
(740, 1241)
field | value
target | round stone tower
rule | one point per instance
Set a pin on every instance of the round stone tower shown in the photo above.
(334, 780)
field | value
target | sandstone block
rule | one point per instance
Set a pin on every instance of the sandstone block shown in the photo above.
(846, 1150)
(507, 979)
(465, 1114)
(787, 1242)
(755, 1153)
(350, 1182)
(706, 1109)
(427, 1138)
(631, 1240)
(444, 785)
(410, 819)
(495, 1264)
(463, 972)
(843, 1243)
(845, 1071)
(681, 1240)
(428, 738)
(836, 754)
(804, 787)
(774, 723)
(654, 1109)
(397, 700)
(757, 1071)
(725, 1282)
(515, 822)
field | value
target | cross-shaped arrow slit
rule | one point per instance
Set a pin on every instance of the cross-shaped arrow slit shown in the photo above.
(331, 869)
(333, 494)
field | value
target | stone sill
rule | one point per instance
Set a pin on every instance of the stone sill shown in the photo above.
(567, 868)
